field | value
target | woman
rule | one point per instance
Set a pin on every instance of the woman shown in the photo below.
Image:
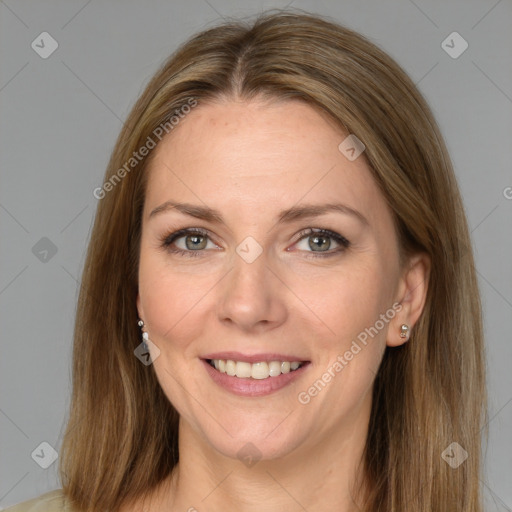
(279, 306)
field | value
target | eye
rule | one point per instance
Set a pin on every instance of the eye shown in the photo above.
(319, 241)
(194, 241)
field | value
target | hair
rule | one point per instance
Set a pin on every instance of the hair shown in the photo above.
(121, 438)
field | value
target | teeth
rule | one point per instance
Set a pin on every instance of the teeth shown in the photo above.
(230, 368)
(243, 370)
(263, 370)
(260, 371)
(274, 368)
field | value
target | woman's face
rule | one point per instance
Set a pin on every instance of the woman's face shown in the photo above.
(257, 284)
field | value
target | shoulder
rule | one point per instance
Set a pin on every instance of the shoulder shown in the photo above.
(53, 501)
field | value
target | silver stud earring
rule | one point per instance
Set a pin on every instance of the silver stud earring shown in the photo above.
(404, 330)
(145, 335)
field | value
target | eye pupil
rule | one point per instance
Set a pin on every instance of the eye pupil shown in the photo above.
(315, 239)
(195, 244)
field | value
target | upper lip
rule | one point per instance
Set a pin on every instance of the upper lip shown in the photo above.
(254, 358)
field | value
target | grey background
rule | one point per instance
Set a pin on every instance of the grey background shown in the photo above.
(59, 120)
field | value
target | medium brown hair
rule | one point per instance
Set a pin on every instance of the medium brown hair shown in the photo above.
(122, 435)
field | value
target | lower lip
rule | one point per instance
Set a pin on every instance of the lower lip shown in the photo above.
(250, 386)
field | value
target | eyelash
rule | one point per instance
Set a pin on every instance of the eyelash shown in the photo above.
(168, 239)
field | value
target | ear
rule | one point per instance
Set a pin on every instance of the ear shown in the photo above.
(411, 295)
(139, 307)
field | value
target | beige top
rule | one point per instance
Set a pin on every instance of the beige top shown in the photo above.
(53, 501)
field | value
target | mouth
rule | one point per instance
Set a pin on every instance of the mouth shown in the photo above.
(258, 371)
(254, 379)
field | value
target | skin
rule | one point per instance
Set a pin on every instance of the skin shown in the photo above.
(250, 160)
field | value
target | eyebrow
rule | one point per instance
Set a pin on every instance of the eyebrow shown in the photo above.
(286, 216)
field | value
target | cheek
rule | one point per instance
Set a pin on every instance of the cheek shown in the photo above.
(171, 300)
(350, 302)
(347, 301)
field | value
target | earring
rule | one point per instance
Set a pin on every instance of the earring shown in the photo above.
(145, 335)
(404, 330)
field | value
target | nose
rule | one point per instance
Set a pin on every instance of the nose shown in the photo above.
(252, 296)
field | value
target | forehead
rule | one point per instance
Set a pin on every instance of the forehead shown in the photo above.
(254, 157)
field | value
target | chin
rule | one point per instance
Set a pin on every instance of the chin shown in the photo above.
(253, 443)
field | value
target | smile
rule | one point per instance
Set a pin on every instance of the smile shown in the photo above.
(254, 379)
(261, 370)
